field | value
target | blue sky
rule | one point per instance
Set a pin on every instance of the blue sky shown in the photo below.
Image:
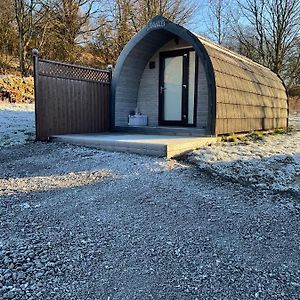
(199, 23)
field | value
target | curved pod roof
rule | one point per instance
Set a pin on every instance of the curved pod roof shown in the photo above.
(249, 95)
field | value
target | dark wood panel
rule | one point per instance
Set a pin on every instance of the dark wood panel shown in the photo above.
(75, 103)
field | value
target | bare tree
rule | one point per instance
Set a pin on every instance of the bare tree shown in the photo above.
(27, 17)
(272, 32)
(179, 11)
(8, 33)
(292, 69)
(219, 20)
(71, 22)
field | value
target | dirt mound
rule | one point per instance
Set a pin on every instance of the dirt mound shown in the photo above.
(16, 89)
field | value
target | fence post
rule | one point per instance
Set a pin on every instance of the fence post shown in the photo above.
(35, 58)
(110, 68)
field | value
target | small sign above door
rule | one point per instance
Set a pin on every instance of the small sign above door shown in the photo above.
(156, 24)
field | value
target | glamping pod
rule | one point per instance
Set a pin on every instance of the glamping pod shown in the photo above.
(170, 78)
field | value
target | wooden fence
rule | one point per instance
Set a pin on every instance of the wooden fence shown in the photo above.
(70, 98)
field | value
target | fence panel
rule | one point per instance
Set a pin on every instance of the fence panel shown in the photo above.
(70, 98)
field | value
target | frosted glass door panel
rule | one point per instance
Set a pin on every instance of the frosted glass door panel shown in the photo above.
(191, 101)
(173, 88)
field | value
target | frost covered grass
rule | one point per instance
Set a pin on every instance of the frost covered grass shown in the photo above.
(294, 120)
(16, 123)
(271, 162)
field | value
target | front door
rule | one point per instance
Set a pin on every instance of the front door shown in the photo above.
(177, 88)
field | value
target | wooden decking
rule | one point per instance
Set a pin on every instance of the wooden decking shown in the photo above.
(156, 145)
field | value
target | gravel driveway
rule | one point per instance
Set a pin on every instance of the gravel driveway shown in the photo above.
(78, 223)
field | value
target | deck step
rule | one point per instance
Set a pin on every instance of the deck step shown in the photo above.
(162, 130)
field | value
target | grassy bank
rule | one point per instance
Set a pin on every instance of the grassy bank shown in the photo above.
(16, 89)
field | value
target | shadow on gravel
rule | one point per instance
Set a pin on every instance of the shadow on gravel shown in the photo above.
(53, 182)
(41, 160)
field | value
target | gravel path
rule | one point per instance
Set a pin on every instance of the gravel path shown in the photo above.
(78, 223)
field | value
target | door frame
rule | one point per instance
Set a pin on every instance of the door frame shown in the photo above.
(185, 81)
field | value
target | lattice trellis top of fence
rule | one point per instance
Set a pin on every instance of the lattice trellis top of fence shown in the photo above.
(68, 71)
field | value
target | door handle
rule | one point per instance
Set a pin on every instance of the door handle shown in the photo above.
(184, 85)
(162, 89)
